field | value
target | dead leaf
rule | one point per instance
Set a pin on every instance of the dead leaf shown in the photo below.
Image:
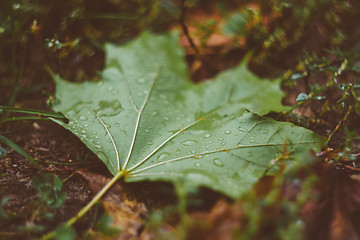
(127, 213)
(336, 214)
(222, 222)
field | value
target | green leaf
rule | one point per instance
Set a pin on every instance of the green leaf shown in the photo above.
(49, 188)
(65, 233)
(146, 118)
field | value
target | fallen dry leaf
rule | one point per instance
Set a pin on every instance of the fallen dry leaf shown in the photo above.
(222, 222)
(127, 213)
(336, 214)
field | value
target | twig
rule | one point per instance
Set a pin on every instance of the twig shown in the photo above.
(185, 28)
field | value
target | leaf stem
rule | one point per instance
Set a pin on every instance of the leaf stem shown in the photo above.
(85, 209)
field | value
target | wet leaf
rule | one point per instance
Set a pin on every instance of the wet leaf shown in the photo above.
(146, 119)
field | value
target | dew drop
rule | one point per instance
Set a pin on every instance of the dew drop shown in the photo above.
(242, 129)
(117, 124)
(223, 143)
(97, 146)
(149, 143)
(166, 119)
(163, 156)
(252, 140)
(207, 135)
(83, 118)
(217, 162)
(227, 132)
(220, 139)
(188, 142)
(141, 80)
(197, 164)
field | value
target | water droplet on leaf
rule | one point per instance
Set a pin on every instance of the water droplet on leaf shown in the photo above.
(207, 135)
(188, 142)
(97, 146)
(83, 118)
(197, 164)
(227, 132)
(242, 129)
(141, 80)
(163, 156)
(217, 162)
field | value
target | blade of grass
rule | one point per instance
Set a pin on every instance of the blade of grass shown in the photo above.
(33, 111)
(19, 150)
(24, 118)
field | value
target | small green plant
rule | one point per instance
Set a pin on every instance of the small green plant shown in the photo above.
(49, 187)
(3, 214)
(333, 93)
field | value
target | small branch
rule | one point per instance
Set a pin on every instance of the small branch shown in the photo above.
(185, 28)
(338, 125)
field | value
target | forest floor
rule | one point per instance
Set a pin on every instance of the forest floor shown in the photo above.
(335, 214)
